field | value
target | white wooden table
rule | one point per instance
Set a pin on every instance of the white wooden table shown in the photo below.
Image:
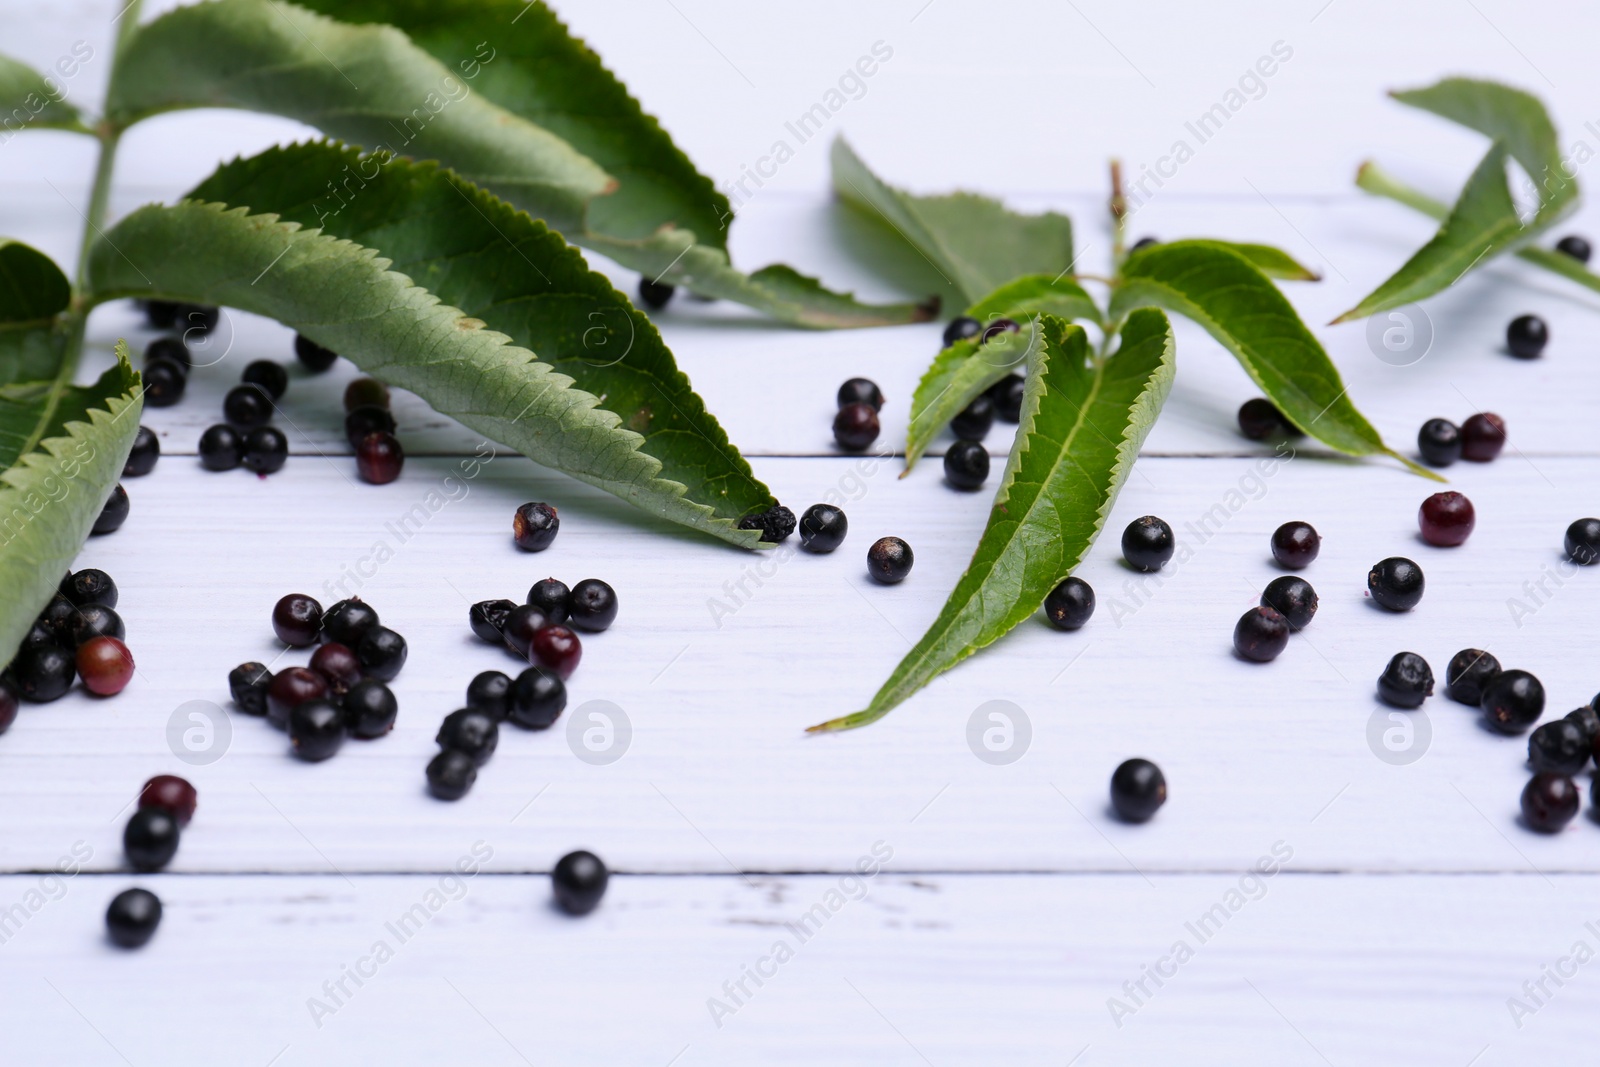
(1013, 920)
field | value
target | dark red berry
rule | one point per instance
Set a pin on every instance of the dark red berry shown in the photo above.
(1549, 801)
(172, 794)
(855, 427)
(861, 391)
(379, 458)
(290, 688)
(339, 665)
(1482, 437)
(297, 620)
(1295, 545)
(534, 526)
(559, 649)
(1446, 519)
(105, 665)
(1261, 634)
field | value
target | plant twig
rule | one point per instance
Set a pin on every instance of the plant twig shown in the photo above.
(1119, 215)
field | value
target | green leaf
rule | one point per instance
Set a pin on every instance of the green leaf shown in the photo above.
(1225, 293)
(1483, 223)
(973, 242)
(1274, 262)
(958, 376)
(1083, 422)
(1036, 293)
(495, 264)
(343, 296)
(30, 101)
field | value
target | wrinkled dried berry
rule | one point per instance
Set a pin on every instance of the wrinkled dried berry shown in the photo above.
(488, 619)
(249, 682)
(1407, 681)
(534, 526)
(775, 523)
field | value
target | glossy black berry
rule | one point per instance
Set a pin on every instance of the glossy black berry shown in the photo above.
(490, 693)
(1574, 246)
(534, 526)
(297, 620)
(488, 619)
(171, 348)
(520, 627)
(164, 382)
(1396, 583)
(382, 653)
(160, 314)
(132, 917)
(551, 597)
(94, 620)
(1293, 598)
(822, 528)
(267, 376)
(1406, 682)
(44, 672)
(1007, 395)
(592, 607)
(1512, 701)
(266, 450)
(889, 560)
(348, 621)
(369, 418)
(365, 392)
(1147, 543)
(379, 458)
(1469, 671)
(855, 427)
(1559, 747)
(89, 586)
(1260, 635)
(960, 328)
(1138, 789)
(579, 881)
(1069, 605)
(1526, 336)
(1588, 721)
(536, 699)
(966, 465)
(1583, 542)
(1439, 442)
(57, 618)
(999, 328)
(975, 420)
(150, 839)
(775, 523)
(42, 632)
(655, 294)
(221, 448)
(142, 459)
(316, 729)
(1549, 801)
(1295, 545)
(1259, 419)
(115, 512)
(313, 356)
(248, 683)
(451, 774)
(474, 732)
(369, 709)
(861, 391)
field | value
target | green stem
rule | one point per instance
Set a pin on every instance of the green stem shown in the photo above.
(1119, 217)
(1374, 180)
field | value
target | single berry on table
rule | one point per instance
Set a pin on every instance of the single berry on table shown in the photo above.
(536, 699)
(1261, 634)
(1446, 519)
(269, 375)
(1439, 442)
(1482, 437)
(339, 665)
(889, 560)
(861, 391)
(142, 459)
(776, 523)
(593, 606)
(266, 450)
(822, 528)
(519, 628)
(348, 621)
(975, 420)
(44, 673)
(451, 774)
(297, 620)
(369, 709)
(1069, 605)
(221, 448)
(1147, 543)
(1138, 789)
(316, 729)
(999, 327)
(382, 653)
(474, 732)
(132, 917)
(114, 514)
(1512, 701)
(150, 839)
(313, 356)
(365, 392)
(1396, 583)
(960, 328)
(1407, 681)
(579, 881)
(551, 597)
(1549, 801)
(172, 794)
(557, 648)
(655, 294)
(164, 382)
(490, 693)
(1526, 336)
(1559, 747)
(1583, 542)
(1259, 419)
(488, 619)
(966, 465)
(534, 526)
(855, 427)
(248, 684)
(290, 688)
(1295, 545)
(89, 586)
(105, 665)
(1293, 598)
(379, 458)
(1007, 395)
(1469, 671)
(369, 418)
(171, 348)
(1574, 246)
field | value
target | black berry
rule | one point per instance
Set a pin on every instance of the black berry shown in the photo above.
(171, 348)
(534, 526)
(1396, 583)
(379, 458)
(269, 375)
(369, 418)
(1138, 789)
(1559, 747)
(593, 606)
(172, 794)
(1469, 671)
(1574, 246)
(382, 653)
(1007, 395)
(999, 327)
(369, 709)
(115, 512)
(56, 619)
(474, 732)
(94, 620)
(1482, 437)
(1439, 442)
(1147, 543)
(536, 699)
(960, 328)
(579, 881)
(315, 358)
(1261, 634)
(132, 917)
(1407, 681)
(365, 392)
(520, 627)
(160, 314)
(44, 672)
(861, 391)
(1293, 598)
(316, 729)
(150, 839)
(1526, 336)
(822, 528)
(776, 523)
(551, 597)
(1588, 721)
(889, 560)
(966, 465)
(221, 448)
(142, 459)
(855, 427)
(655, 294)
(1069, 605)
(975, 420)
(1259, 419)
(1583, 542)
(488, 619)
(1549, 801)
(297, 620)
(1295, 545)
(266, 450)
(451, 774)
(348, 621)
(89, 586)
(164, 381)
(249, 682)
(247, 405)
(490, 693)
(10, 701)
(1512, 701)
